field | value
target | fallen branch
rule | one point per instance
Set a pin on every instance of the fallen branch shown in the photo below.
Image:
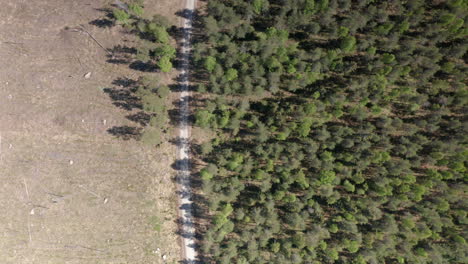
(85, 247)
(26, 189)
(12, 43)
(89, 191)
(82, 29)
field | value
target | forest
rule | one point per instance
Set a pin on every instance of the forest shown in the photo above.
(341, 131)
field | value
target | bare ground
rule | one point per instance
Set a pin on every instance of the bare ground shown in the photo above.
(70, 191)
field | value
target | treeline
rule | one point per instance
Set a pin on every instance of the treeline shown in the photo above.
(342, 131)
(154, 37)
(154, 47)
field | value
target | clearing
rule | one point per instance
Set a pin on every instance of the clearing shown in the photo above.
(71, 191)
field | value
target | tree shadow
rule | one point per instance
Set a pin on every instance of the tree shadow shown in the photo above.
(176, 32)
(125, 82)
(123, 95)
(141, 118)
(120, 49)
(192, 262)
(106, 21)
(125, 132)
(124, 98)
(197, 24)
(185, 13)
(121, 54)
(309, 45)
(114, 60)
(178, 86)
(175, 117)
(143, 66)
(102, 23)
(181, 165)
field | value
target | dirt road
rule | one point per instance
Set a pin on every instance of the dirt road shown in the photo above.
(185, 208)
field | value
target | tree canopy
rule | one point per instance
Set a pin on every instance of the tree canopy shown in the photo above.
(341, 131)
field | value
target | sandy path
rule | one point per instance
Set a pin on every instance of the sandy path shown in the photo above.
(185, 209)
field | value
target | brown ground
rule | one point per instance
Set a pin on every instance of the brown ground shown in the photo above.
(70, 191)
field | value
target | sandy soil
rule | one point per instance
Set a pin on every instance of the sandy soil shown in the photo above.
(70, 191)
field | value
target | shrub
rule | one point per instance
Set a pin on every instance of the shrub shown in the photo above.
(231, 74)
(203, 118)
(388, 58)
(210, 63)
(165, 64)
(136, 9)
(348, 44)
(151, 136)
(158, 33)
(163, 91)
(165, 50)
(121, 16)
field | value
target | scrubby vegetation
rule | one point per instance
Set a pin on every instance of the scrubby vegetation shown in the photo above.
(153, 97)
(154, 47)
(342, 131)
(155, 43)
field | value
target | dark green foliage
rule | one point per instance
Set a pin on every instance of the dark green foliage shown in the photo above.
(341, 131)
(348, 43)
